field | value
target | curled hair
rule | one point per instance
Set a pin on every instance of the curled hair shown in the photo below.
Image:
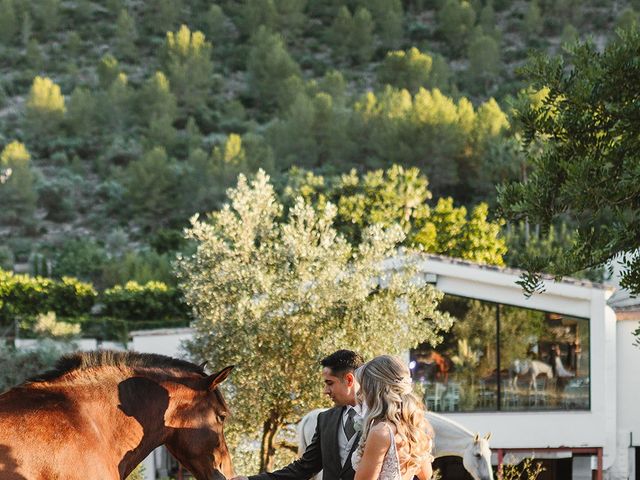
(386, 388)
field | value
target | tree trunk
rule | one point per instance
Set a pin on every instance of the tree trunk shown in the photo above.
(267, 448)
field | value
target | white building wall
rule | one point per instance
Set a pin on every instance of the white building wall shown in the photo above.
(628, 388)
(81, 344)
(165, 342)
(594, 428)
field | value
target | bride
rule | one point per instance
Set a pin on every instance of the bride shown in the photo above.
(394, 444)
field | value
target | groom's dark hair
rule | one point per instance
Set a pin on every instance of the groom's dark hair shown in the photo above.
(342, 361)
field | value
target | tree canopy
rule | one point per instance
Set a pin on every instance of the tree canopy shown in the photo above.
(589, 166)
(275, 291)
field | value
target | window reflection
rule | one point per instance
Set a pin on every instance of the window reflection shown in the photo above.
(539, 361)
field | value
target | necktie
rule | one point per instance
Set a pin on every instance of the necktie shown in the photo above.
(349, 429)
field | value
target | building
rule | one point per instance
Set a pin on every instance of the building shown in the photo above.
(553, 376)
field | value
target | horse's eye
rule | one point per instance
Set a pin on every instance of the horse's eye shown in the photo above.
(478, 455)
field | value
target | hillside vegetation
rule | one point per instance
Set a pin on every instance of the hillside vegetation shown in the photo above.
(121, 119)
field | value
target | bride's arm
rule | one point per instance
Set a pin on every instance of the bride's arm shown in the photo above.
(375, 448)
(426, 471)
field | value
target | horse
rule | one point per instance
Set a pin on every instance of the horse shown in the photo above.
(99, 414)
(451, 439)
(530, 368)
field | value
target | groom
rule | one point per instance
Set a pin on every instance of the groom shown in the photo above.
(336, 437)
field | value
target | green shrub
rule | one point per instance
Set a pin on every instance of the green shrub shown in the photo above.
(6, 257)
(152, 301)
(25, 296)
(18, 365)
(56, 196)
(80, 258)
(140, 266)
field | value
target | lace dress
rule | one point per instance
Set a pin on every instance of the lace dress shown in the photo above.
(391, 463)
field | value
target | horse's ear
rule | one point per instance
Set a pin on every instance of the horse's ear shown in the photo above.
(476, 437)
(203, 364)
(487, 436)
(217, 378)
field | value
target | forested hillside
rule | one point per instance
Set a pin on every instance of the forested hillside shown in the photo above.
(120, 119)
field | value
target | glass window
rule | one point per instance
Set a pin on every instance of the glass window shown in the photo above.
(544, 360)
(460, 374)
(501, 357)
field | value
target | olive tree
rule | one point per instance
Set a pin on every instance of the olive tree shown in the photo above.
(274, 291)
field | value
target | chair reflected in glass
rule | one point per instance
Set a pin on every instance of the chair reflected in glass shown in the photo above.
(509, 396)
(433, 396)
(486, 395)
(451, 398)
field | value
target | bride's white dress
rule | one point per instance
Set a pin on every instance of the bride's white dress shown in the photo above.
(391, 463)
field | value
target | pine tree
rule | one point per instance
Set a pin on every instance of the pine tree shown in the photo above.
(81, 114)
(191, 136)
(484, 61)
(456, 19)
(291, 17)
(161, 133)
(387, 16)
(410, 69)
(487, 20)
(126, 35)
(569, 35)
(83, 10)
(114, 6)
(34, 56)
(532, 21)
(334, 84)
(187, 62)
(17, 195)
(108, 70)
(268, 65)
(8, 22)
(219, 28)
(256, 14)
(114, 106)
(149, 182)
(48, 15)
(629, 19)
(73, 44)
(340, 32)
(45, 106)
(163, 15)
(361, 38)
(155, 99)
(440, 74)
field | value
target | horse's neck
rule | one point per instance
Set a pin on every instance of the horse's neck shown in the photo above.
(451, 437)
(124, 418)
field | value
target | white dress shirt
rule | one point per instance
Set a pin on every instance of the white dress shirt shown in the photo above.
(344, 445)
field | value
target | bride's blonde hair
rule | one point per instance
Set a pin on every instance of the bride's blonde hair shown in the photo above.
(385, 387)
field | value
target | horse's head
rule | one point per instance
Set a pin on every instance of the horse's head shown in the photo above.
(196, 437)
(477, 458)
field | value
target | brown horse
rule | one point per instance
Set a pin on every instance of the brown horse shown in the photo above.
(97, 415)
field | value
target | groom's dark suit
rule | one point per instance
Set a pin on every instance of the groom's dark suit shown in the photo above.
(321, 454)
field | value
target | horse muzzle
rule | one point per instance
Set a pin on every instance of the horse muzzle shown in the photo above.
(217, 475)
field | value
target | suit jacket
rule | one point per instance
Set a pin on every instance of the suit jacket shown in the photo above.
(321, 454)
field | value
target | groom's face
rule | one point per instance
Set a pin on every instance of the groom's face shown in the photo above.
(341, 388)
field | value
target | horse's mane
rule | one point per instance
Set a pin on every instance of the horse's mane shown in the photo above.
(76, 362)
(436, 418)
